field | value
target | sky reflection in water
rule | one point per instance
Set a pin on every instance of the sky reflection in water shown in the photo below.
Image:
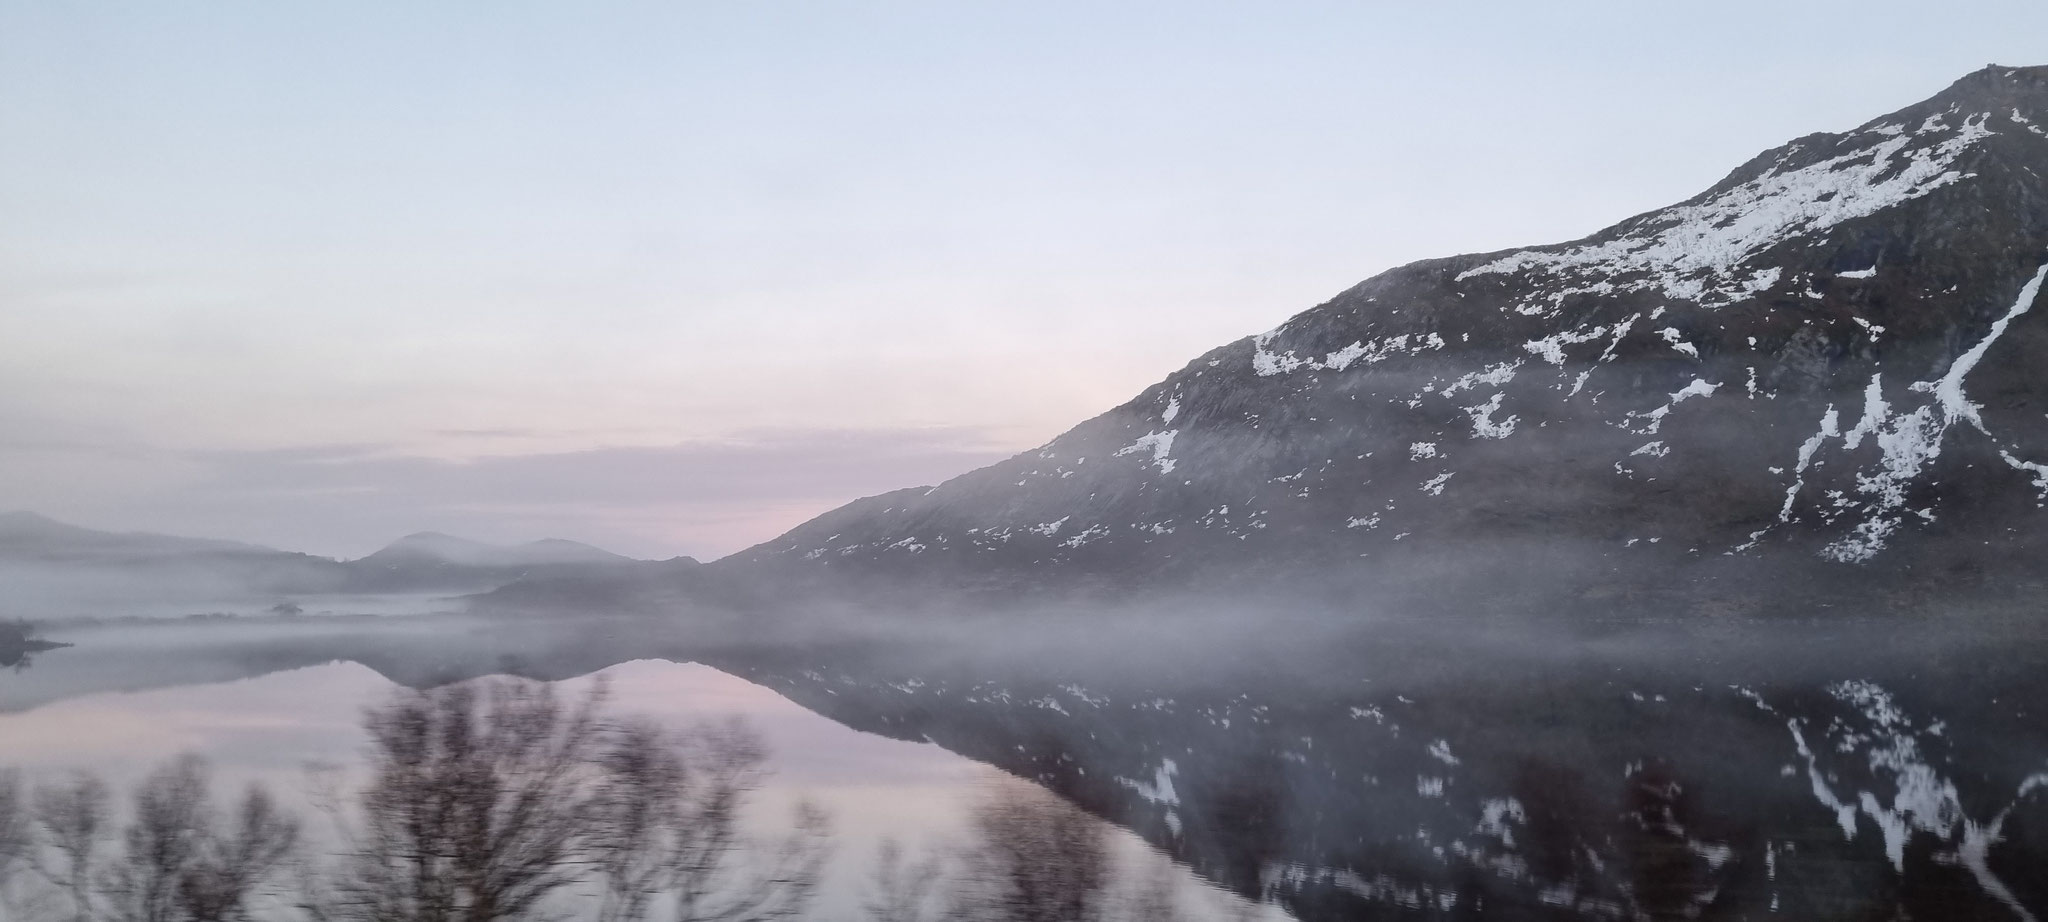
(276, 728)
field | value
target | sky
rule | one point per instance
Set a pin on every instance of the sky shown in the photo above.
(672, 277)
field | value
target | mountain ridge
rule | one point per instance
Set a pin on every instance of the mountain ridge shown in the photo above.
(469, 552)
(1668, 372)
(21, 527)
(1815, 368)
(52, 569)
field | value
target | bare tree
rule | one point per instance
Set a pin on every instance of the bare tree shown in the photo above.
(175, 862)
(1036, 859)
(727, 884)
(17, 835)
(474, 809)
(631, 815)
(172, 813)
(902, 890)
(483, 802)
(73, 816)
(666, 820)
(233, 863)
(715, 872)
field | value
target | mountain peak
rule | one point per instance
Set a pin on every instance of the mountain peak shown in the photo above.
(1997, 80)
(1993, 98)
(433, 539)
(1774, 367)
(440, 547)
(565, 550)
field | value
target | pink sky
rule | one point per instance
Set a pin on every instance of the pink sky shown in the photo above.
(671, 278)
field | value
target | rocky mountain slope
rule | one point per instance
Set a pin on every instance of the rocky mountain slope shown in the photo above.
(1827, 362)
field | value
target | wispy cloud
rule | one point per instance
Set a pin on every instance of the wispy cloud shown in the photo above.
(764, 466)
(704, 498)
(506, 433)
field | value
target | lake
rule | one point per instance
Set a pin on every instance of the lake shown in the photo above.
(1832, 768)
(299, 732)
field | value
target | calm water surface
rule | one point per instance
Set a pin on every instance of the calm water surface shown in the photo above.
(1684, 768)
(291, 729)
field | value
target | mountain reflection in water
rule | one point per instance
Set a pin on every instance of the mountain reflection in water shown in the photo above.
(545, 814)
(1639, 797)
(1647, 771)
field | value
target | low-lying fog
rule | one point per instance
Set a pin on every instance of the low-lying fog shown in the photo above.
(1339, 761)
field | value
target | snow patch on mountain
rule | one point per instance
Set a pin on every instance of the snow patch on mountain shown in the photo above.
(1908, 443)
(1052, 528)
(1653, 420)
(1949, 390)
(1160, 444)
(1690, 252)
(1266, 362)
(2027, 123)
(1483, 424)
(1677, 340)
(1551, 348)
(1086, 535)
(1493, 376)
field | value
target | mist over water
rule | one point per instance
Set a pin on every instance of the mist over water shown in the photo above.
(1331, 763)
(1023, 463)
(299, 731)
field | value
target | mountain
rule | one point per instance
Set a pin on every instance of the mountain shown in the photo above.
(50, 569)
(434, 561)
(1826, 365)
(448, 549)
(24, 534)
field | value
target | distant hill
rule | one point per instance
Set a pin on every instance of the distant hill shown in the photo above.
(448, 549)
(51, 569)
(29, 535)
(436, 560)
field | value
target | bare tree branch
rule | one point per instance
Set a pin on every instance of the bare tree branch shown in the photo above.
(901, 890)
(172, 813)
(73, 816)
(474, 809)
(17, 833)
(232, 864)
